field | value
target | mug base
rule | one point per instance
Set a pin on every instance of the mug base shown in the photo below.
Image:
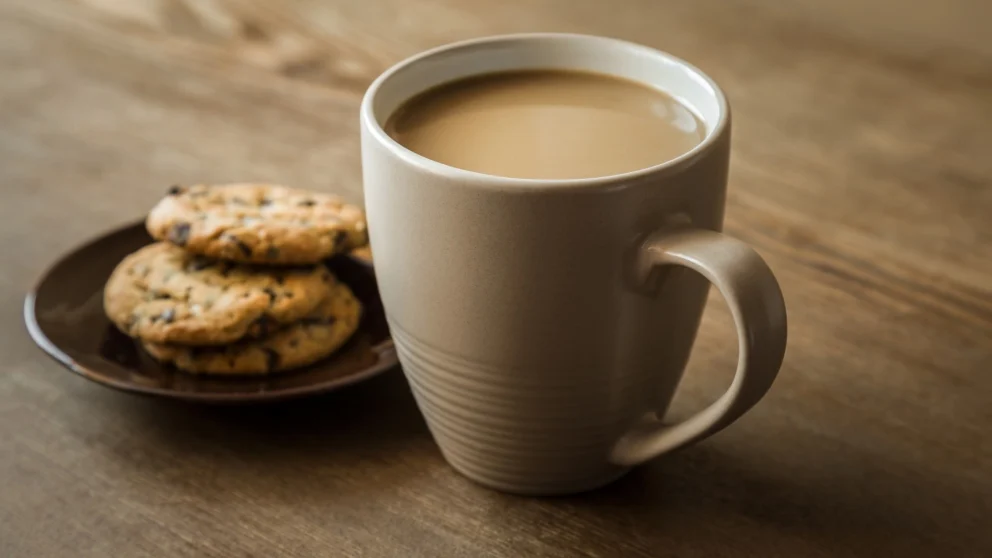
(524, 488)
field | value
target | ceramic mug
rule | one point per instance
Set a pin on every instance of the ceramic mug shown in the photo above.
(543, 325)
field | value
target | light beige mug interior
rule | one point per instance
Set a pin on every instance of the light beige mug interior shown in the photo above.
(612, 57)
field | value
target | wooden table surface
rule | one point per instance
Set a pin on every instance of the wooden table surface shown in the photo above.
(862, 171)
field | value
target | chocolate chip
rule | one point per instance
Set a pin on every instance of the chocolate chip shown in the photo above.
(245, 249)
(272, 294)
(160, 296)
(271, 359)
(264, 202)
(306, 203)
(225, 269)
(340, 239)
(281, 279)
(175, 190)
(262, 325)
(179, 234)
(168, 315)
(294, 342)
(198, 264)
(271, 253)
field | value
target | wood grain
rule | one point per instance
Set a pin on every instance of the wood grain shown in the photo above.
(860, 170)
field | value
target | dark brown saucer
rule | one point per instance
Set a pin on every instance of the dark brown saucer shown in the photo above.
(64, 315)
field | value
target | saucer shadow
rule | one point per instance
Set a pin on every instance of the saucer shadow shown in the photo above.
(302, 453)
(370, 417)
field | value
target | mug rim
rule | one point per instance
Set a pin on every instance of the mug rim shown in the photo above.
(664, 168)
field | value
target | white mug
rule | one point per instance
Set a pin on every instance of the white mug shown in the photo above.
(543, 325)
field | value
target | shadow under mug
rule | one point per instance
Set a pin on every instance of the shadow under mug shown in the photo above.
(543, 325)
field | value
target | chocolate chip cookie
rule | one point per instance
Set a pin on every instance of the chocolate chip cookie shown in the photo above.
(257, 223)
(164, 294)
(314, 337)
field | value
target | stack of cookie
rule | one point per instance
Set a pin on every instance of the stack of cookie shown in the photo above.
(236, 283)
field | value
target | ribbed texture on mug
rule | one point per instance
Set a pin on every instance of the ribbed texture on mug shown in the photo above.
(514, 432)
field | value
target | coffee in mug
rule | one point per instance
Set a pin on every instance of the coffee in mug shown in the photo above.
(546, 124)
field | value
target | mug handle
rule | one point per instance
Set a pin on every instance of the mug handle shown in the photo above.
(755, 300)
